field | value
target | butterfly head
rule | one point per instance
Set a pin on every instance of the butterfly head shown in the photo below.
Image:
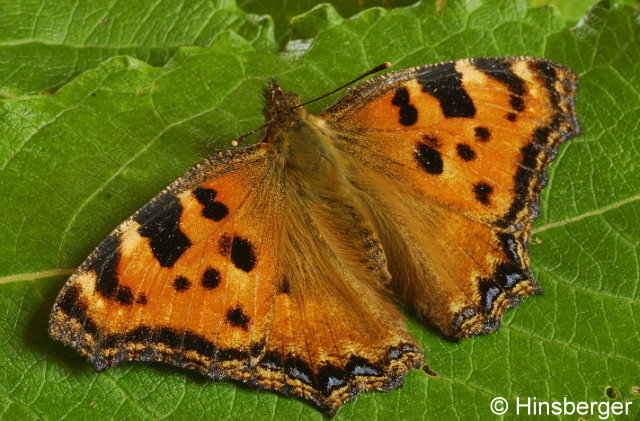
(280, 110)
(280, 105)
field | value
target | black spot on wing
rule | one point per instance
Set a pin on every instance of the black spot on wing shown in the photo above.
(181, 284)
(142, 299)
(124, 295)
(482, 192)
(465, 152)
(512, 116)
(445, 84)
(213, 210)
(408, 113)
(237, 318)
(242, 254)
(160, 222)
(211, 278)
(516, 102)
(483, 134)
(428, 158)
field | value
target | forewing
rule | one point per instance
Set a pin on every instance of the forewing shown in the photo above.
(179, 280)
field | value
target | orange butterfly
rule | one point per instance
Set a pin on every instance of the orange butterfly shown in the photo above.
(277, 264)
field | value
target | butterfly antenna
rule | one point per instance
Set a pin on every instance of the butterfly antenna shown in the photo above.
(237, 140)
(376, 69)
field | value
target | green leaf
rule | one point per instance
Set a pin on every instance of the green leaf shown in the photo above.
(76, 163)
(45, 44)
(283, 11)
(573, 10)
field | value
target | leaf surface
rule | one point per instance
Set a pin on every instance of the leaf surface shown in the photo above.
(76, 163)
(44, 44)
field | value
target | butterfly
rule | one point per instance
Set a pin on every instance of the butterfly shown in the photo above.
(280, 264)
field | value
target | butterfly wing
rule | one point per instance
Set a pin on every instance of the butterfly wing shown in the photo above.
(453, 158)
(229, 273)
